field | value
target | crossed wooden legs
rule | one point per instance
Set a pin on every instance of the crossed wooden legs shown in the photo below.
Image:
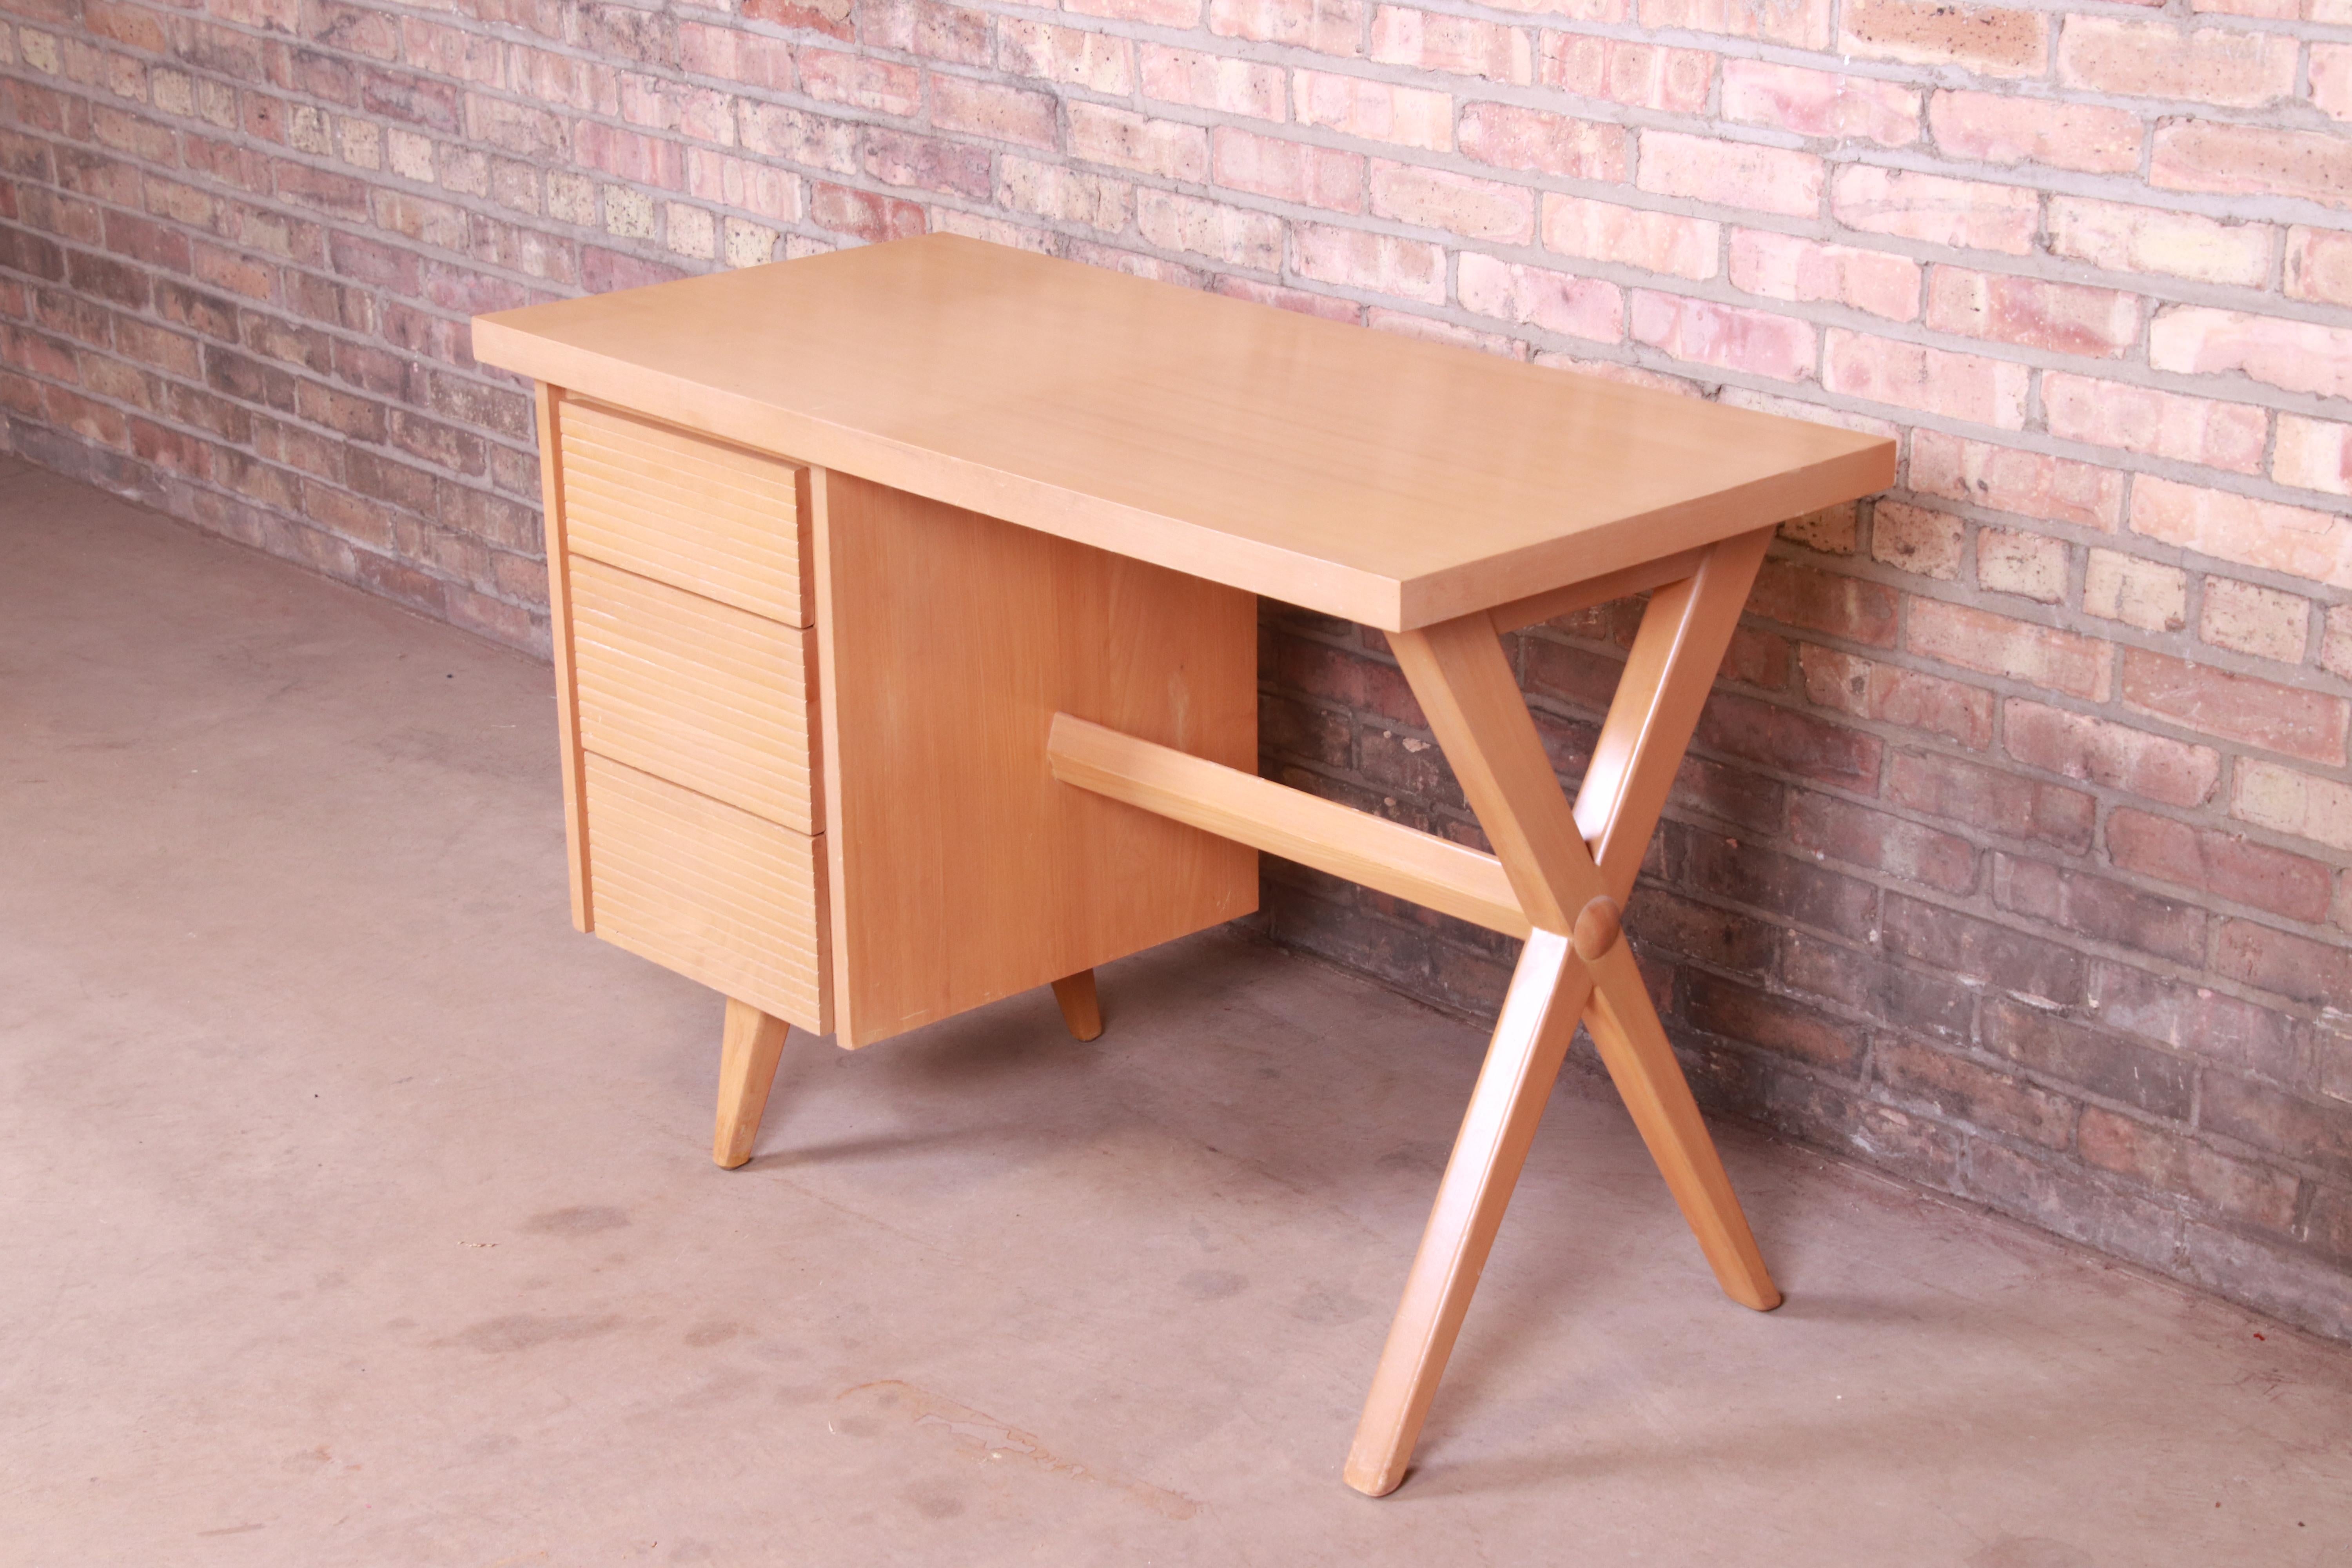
(752, 1042)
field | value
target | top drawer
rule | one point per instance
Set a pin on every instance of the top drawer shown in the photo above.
(714, 520)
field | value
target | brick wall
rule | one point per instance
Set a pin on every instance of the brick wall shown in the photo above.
(2012, 858)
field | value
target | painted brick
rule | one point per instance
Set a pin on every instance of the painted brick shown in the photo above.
(1289, 171)
(2319, 266)
(1969, 214)
(2157, 59)
(1994, 128)
(2212, 861)
(1380, 263)
(1645, 75)
(2135, 591)
(2009, 480)
(1533, 296)
(1892, 694)
(2246, 618)
(1430, 40)
(2297, 804)
(1704, 332)
(1509, 137)
(1918, 540)
(1438, 198)
(1934, 381)
(1376, 111)
(2161, 424)
(1783, 267)
(1730, 173)
(2314, 455)
(1632, 237)
(2267, 534)
(2252, 160)
(1985, 39)
(1819, 103)
(2126, 239)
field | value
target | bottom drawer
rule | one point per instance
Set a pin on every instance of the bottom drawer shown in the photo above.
(716, 893)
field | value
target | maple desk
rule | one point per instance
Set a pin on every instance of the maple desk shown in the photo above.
(905, 626)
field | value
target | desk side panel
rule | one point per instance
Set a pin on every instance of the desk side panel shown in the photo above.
(963, 871)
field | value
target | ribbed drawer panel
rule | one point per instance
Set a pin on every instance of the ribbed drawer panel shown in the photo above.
(699, 515)
(715, 893)
(696, 692)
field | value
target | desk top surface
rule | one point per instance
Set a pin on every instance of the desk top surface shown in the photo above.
(1373, 477)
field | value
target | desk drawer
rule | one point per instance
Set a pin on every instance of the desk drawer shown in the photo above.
(697, 514)
(715, 893)
(696, 692)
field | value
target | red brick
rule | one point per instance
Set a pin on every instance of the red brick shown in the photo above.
(1788, 741)
(1918, 540)
(2309, 1130)
(2222, 864)
(2304, 544)
(2157, 59)
(2104, 1064)
(1953, 1087)
(1509, 137)
(1894, 695)
(2160, 424)
(1377, 110)
(2030, 967)
(1653, 241)
(1180, 76)
(2317, 972)
(2102, 752)
(2161, 1158)
(1233, 236)
(1704, 332)
(1969, 214)
(1326, 26)
(1004, 113)
(1987, 41)
(1156, 13)
(862, 81)
(2063, 318)
(732, 55)
(1935, 380)
(1289, 171)
(1163, 147)
(2319, 266)
(1438, 198)
(1819, 103)
(2301, 356)
(1994, 128)
(1804, 24)
(2314, 455)
(2253, 160)
(2311, 725)
(1427, 40)
(1790, 888)
(2008, 479)
(1783, 267)
(1533, 296)
(1813, 600)
(2098, 907)
(1908, 850)
(2126, 239)
(1643, 75)
(2248, 618)
(1730, 173)
(1378, 263)
(862, 213)
(1976, 639)
(1738, 1013)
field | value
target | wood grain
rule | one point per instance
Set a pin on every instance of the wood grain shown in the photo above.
(712, 891)
(750, 1044)
(1434, 872)
(698, 692)
(686, 510)
(963, 871)
(1259, 448)
(550, 405)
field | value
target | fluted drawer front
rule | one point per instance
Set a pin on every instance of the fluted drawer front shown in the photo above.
(715, 893)
(696, 692)
(694, 513)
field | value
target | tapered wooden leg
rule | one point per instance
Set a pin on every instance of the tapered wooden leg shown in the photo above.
(747, 1051)
(1081, 1009)
(1531, 1038)
(1632, 1045)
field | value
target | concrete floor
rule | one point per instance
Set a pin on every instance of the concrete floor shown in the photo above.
(354, 1210)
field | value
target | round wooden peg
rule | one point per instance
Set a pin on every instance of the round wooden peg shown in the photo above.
(1597, 929)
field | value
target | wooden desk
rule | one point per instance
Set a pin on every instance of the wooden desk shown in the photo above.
(905, 628)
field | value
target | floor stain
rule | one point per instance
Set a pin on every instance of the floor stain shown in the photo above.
(871, 1408)
(585, 1220)
(527, 1330)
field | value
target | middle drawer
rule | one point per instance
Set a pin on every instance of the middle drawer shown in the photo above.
(696, 692)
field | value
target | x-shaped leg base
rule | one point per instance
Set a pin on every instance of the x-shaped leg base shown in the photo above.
(1559, 876)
